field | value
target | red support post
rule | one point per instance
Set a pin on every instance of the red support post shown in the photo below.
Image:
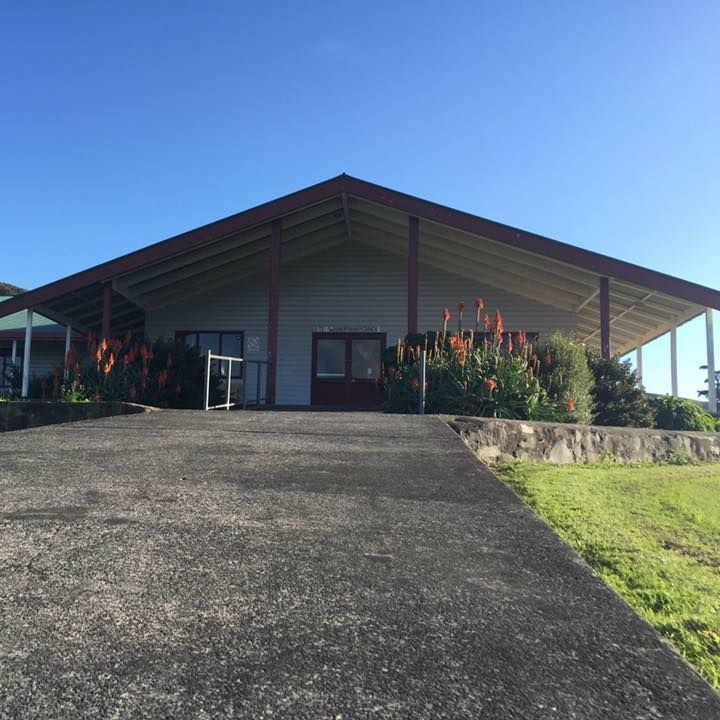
(412, 274)
(273, 312)
(107, 310)
(605, 317)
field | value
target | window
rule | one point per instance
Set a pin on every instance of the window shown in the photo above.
(366, 358)
(331, 358)
(222, 342)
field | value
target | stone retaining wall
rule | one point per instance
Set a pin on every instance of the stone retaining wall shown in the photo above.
(21, 414)
(561, 444)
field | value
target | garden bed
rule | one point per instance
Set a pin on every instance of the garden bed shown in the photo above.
(560, 444)
(21, 414)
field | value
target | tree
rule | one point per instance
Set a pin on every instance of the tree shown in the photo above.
(618, 397)
(704, 393)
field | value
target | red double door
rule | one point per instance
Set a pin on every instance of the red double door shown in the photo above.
(346, 369)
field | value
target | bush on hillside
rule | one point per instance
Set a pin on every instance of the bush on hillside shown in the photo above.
(567, 377)
(672, 413)
(618, 397)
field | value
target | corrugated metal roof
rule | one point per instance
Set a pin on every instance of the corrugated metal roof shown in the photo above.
(16, 322)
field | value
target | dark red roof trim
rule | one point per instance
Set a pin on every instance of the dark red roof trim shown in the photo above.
(261, 214)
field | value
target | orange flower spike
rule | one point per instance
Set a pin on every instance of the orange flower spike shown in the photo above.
(112, 359)
(415, 384)
(461, 308)
(107, 367)
(479, 305)
(509, 343)
(98, 356)
(486, 322)
(570, 405)
(104, 345)
(548, 359)
(499, 327)
(445, 319)
(127, 359)
(490, 384)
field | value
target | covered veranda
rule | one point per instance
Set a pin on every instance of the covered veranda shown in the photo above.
(618, 307)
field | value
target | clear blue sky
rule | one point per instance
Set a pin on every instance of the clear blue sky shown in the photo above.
(595, 123)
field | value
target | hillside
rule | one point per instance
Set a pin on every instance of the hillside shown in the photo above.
(8, 289)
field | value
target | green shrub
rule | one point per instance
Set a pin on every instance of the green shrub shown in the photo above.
(567, 377)
(672, 413)
(618, 397)
(489, 375)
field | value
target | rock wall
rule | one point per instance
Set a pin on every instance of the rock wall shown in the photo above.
(561, 444)
(21, 414)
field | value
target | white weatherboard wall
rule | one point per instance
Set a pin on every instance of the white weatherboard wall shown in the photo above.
(357, 286)
(347, 286)
(241, 307)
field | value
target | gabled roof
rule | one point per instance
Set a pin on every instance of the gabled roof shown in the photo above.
(645, 301)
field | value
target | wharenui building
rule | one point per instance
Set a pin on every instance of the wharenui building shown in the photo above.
(316, 283)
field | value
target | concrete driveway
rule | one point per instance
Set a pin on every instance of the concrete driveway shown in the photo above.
(301, 565)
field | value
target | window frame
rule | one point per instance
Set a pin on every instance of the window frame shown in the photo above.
(238, 368)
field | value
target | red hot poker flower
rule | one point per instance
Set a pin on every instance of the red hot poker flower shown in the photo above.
(570, 405)
(479, 305)
(490, 384)
(499, 327)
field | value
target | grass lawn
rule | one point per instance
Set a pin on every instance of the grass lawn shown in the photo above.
(652, 533)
